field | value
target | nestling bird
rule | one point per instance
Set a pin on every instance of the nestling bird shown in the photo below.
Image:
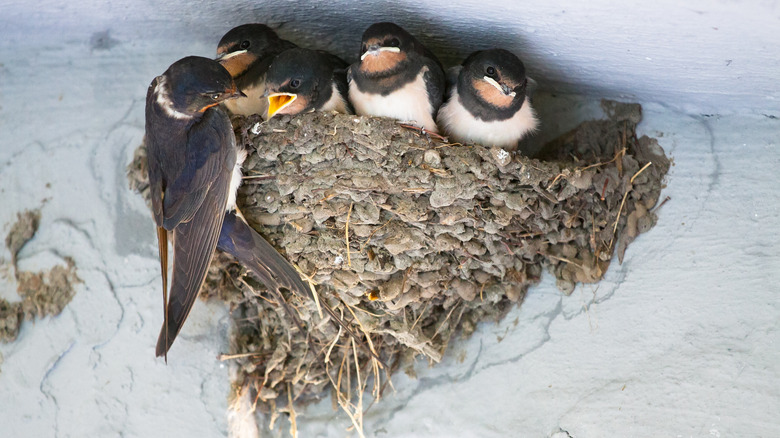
(487, 102)
(194, 173)
(246, 52)
(396, 77)
(303, 80)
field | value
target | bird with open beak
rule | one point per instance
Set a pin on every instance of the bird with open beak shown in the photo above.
(396, 77)
(302, 80)
(194, 170)
(246, 52)
(488, 101)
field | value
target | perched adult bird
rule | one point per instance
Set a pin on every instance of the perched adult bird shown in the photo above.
(303, 80)
(246, 52)
(194, 171)
(488, 102)
(396, 77)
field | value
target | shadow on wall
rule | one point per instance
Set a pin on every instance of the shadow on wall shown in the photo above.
(338, 28)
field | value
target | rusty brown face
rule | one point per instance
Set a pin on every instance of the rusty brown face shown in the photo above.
(380, 55)
(493, 93)
(236, 62)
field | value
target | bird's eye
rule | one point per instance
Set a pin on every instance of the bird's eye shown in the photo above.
(245, 45)
(215, 96)
(394, 43)
(295, 83)
(491, 71)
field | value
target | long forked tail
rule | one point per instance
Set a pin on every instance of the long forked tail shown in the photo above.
(193, 248)
(274, 271)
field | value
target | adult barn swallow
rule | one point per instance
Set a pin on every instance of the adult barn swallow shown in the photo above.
(194, 173)
(246, 52)
(303, 80)
(488, 101)
(396, 77)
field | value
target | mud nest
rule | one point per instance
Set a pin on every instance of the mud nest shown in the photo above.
(414, 240)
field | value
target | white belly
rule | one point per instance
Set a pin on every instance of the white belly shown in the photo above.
(235, 178)
(461, 126)
(408, 104)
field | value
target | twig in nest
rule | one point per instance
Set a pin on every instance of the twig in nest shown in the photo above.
(224, 357)
(447, 145)
(420, 315)
(310, 280)
(640, 171)
(436, 333)
(666, 199)
(361, 386)
(258, 177)
(346, 234)
(434, 170)
(327, 197)
(623, 202)
(291, 409)
(343, 400)
(368, 337)
(375, 315)
(561, 259)
(557, 177)
(619, 154)
(332, 344)
(423, 131)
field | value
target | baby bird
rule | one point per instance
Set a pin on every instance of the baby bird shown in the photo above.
(487, 102)
(396, 77)
(303, 80)
(246, 52)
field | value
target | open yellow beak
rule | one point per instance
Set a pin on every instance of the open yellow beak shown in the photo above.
(279, 101)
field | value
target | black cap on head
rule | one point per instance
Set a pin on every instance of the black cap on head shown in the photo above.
(254, 37)
(196, 82)
(499, 64)
(307, 67)
(308, 74)
(388, 34)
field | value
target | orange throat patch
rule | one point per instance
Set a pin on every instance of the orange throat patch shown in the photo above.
(490, 94)
(381, 62)
(237, 65)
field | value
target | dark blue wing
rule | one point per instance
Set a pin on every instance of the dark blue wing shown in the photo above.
(209, 154)
(435, 83)
(194, 207)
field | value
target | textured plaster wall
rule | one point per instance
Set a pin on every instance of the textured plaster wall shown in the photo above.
(681, 340)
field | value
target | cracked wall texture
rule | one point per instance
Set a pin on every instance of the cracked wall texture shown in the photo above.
(681, 340)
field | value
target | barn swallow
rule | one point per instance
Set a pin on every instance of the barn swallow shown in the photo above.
(194, 170)
(303, 80)
(396, 77)
(488, 101)
(246, 52)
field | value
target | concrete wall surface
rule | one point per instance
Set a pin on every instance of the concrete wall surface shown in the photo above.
(682, 340)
